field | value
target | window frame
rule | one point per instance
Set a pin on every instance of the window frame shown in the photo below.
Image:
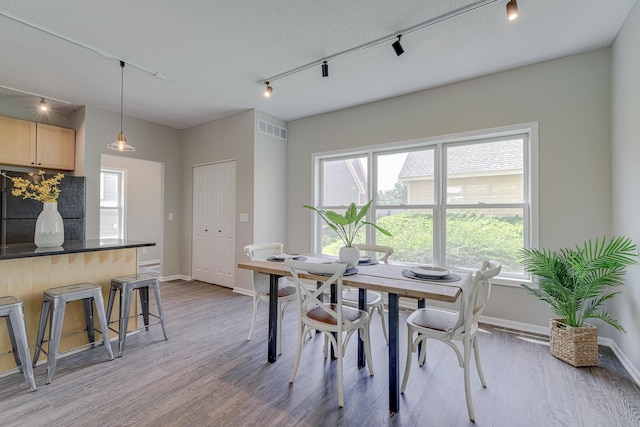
(121, 207)
(530, 204)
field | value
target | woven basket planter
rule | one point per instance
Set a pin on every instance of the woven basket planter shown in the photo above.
(576, 346)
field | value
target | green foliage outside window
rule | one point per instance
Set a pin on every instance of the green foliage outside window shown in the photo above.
(471, 239)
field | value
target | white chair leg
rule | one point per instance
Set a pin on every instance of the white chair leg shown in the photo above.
(253, 320)
(340, 382)
(301, 331)
(367, 349)
(467, 384)
(384, 325)
(476, 352)
(407, 366)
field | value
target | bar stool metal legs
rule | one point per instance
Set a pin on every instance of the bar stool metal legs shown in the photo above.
(12, 309)
(53, 307)
(126, 285)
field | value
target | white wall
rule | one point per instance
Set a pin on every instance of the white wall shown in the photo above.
(568, 97)
(144, 204)
(625, 105)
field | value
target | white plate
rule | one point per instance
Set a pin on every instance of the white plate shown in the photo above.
(365, 258)
(283, 256)
(426, 271)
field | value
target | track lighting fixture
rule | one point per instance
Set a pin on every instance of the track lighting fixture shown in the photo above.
(42, 105)
(121, 143)
(268, 90)
(512, 10)
(397, 46)
(512, 13)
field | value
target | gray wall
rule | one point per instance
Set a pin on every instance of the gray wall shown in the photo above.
(153, 142)
(568, 97)
(625, 105)
(230, 138)
(144, 202)
(270, 178)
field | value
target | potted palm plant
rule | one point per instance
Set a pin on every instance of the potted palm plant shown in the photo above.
(347, 227)
(576, 283)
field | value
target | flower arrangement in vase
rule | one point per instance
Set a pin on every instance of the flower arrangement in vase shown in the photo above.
(49, 230)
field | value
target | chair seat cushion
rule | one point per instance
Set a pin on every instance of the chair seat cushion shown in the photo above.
(285, 288)
(320, 315)
(352, 295)
(431, 318)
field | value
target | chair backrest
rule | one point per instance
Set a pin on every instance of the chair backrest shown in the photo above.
(263, 250)
(479, 292)
(260, 251)
(386, 251)
(310, 298)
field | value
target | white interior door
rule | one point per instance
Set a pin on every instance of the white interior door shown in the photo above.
(214, 201)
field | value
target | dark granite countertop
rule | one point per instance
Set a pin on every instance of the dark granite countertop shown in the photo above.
(26, 250)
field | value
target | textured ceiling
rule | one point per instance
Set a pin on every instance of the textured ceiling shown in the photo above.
(214, 54)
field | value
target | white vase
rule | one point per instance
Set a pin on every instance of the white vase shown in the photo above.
(350, 255)
(49, 227)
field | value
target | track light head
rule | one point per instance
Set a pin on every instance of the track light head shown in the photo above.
(268, 90)
(397, 46)
(512, 10)
(42, 105)
(325, 69)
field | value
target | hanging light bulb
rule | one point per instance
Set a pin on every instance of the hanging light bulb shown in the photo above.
(512, 10)
(268, 90)
(121, 143)
(42, 105)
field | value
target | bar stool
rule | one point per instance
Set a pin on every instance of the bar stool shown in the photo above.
(54, 301)
(126, 285)
(12, 309)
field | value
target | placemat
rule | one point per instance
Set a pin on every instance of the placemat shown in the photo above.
(349, 272)
(450, 278)
(297, 258)
(368, 262)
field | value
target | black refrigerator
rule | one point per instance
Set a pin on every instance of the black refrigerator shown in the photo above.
(18, 216)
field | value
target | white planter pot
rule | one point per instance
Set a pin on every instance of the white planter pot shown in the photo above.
(49, 231)
(350, 255)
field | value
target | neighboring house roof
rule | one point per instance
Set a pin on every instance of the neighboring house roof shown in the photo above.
(493, 157)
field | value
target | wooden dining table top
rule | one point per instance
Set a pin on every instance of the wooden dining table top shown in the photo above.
(380, 277)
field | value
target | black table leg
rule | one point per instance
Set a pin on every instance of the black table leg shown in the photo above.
(334, 300)
(273, 318)
(362, 305)
(394, 354)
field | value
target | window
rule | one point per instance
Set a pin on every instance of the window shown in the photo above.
(111, 204)
(454, 201)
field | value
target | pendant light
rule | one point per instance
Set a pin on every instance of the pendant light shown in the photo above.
(121, 143)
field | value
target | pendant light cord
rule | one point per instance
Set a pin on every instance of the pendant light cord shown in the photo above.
(121, 92)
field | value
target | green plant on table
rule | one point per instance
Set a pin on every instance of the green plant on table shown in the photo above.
(348, 225)
(576, 282)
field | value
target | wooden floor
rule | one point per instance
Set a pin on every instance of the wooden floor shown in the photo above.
(208, 374)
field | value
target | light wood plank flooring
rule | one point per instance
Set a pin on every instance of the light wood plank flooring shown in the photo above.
(208, 374)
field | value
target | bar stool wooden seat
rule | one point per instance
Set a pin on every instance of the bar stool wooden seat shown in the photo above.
(54, 302)
(126, 285)
(12, 309)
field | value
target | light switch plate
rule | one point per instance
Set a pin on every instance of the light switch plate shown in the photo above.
(244, 217)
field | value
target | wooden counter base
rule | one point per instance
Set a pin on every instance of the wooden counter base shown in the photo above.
(28, 278)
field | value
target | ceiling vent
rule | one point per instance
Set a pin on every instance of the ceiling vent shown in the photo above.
(271, 129)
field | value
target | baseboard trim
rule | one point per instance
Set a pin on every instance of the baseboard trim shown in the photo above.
(243, 291)
(149, 262)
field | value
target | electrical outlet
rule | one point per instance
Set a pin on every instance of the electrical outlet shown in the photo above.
(144, 250)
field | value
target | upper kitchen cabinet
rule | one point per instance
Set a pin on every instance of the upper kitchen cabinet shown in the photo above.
(37, 145)
(55, 147)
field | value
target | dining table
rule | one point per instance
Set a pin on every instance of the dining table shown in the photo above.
(394, 279)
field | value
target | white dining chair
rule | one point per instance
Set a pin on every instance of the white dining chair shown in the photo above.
(375, 302)
(336, 321)
(286, 289)
(447, 327)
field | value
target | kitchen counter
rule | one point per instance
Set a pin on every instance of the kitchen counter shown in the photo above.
(26, 250)
(27, 271)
